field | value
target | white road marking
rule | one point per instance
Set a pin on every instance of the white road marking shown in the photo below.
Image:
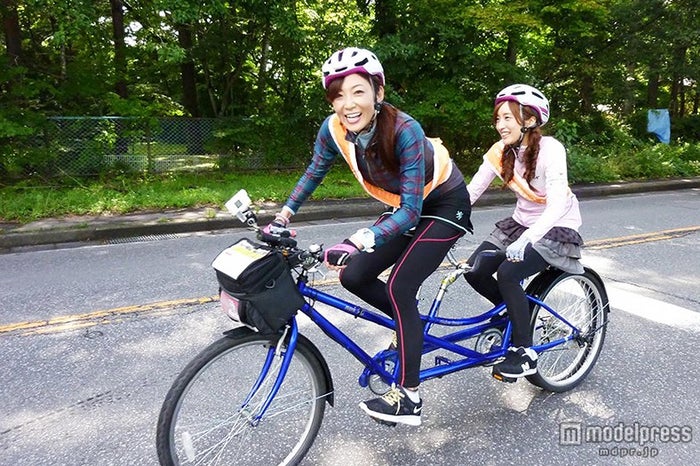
(632, 299)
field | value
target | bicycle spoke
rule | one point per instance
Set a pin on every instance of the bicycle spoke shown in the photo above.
(581, 301)
(194, 429)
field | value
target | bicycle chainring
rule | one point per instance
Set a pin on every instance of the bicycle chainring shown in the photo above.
(488, 340)
(375, 382)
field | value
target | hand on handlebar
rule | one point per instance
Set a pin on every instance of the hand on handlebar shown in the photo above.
(278, 227)
(338, 256)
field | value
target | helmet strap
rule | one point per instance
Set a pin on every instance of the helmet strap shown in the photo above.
(524, 129)
(377, 105)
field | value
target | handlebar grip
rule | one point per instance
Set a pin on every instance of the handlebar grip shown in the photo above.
(275, 240)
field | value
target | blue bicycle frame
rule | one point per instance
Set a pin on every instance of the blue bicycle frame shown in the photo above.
(475, 326)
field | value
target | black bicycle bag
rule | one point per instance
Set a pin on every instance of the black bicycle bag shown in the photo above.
(261, 282)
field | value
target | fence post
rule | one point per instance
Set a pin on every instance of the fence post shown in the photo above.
(150, 164)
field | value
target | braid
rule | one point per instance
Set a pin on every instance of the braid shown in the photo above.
(508, 162)
(531, 152)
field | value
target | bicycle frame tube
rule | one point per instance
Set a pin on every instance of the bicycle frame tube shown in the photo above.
(341, 338)
(574, 331)
(432, 343)
(449, 342)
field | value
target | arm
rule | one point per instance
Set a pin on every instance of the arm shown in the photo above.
(480, 181)
(324, 155)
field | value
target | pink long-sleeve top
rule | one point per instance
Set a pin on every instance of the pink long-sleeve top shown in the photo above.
(550, 181)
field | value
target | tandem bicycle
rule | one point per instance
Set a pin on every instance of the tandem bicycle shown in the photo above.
(255, 397)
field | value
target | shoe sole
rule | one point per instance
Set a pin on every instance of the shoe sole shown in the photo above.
(408, 420)
(516, 376)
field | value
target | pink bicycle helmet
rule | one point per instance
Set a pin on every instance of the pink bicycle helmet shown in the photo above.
(528, 96)
(348, 61)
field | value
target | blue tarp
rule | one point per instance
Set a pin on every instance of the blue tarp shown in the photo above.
(659, 123)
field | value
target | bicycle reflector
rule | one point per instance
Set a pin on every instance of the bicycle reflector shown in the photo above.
(231, 306)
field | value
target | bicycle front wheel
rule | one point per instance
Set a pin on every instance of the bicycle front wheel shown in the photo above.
(582, 301)
(208, 416)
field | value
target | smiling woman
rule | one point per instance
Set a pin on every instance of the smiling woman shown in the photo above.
(393, 161)
(543, 229)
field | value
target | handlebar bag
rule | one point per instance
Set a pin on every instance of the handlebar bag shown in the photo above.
(259, 277)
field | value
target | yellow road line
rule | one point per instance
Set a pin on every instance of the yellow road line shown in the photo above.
(93, 318)
(76, 321)
(640, 238)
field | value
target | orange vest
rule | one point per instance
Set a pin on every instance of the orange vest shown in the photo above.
(442, 165)
(518, 183)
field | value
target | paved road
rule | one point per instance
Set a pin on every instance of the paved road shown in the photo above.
(83, 387)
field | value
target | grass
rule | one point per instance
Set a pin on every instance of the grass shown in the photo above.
(27, 201)
(30, 199)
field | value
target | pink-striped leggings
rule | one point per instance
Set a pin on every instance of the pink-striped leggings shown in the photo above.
(414, 258)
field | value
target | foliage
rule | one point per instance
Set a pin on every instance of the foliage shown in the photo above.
(255, 65)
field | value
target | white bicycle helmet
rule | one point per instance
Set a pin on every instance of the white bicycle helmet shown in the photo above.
(348, 61)
(528, 96)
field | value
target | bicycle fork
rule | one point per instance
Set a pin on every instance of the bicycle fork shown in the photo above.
(274, 353)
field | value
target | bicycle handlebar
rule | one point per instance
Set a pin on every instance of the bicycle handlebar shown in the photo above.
(294, 256)
(277, 240)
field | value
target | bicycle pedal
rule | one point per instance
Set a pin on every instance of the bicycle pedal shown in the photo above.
(383, 422)
(502, 378)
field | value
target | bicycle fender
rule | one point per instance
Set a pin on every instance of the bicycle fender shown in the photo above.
(301, 339)
(542, 280)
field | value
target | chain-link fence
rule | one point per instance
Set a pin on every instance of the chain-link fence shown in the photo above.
(91, 145)
(84, 146)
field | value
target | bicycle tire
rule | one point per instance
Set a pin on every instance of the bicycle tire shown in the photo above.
(583, 301)
(203, 419)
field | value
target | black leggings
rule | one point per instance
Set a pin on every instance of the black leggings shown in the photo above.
(414, 259)
(506, 287)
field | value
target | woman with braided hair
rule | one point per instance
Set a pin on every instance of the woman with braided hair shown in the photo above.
(543, 229)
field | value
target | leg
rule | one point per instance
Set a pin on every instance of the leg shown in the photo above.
(360, 277)
(421, 258)
(481, 278)
(509, 276)
(520, 360)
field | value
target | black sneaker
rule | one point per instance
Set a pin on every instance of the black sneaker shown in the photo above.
(394, 406)
(518, 362)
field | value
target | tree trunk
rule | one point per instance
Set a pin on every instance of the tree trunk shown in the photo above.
(586, 94)
(653, 89)
(187, 71)
(678, 76)
(512, 49)
(674, 96)
(119, 48)
(385, 17)
(13, 33)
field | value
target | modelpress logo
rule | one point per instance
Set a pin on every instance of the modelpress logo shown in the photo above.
(570, 433)
(636, 434)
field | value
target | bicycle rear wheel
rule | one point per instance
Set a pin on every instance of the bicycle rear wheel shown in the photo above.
(582, 301)
(205, 419)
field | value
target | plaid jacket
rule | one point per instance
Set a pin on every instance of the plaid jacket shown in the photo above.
(412, 150)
